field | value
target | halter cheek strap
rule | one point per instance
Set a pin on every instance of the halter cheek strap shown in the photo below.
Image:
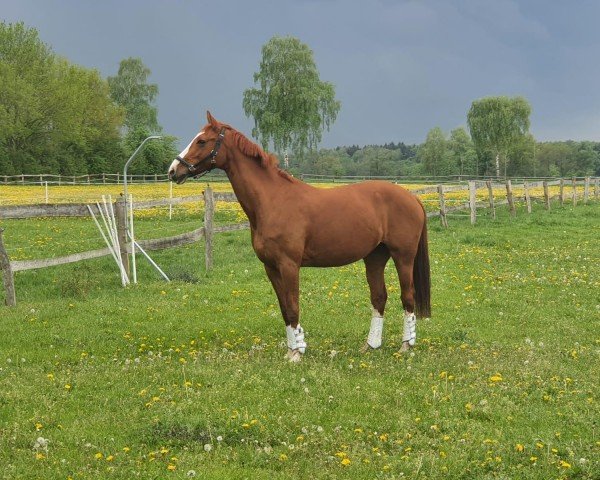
(211, 156)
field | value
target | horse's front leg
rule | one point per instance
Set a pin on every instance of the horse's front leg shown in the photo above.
(285, 278)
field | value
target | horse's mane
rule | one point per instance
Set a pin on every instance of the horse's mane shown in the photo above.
(248, 147)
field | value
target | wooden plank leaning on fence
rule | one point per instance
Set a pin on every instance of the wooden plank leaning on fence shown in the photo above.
(509, 197)
(121, 216)
(473, 201)
(574, 192)
(527, 196)
(7, 274)
(209, 213)
(443, 219)
(491, 194)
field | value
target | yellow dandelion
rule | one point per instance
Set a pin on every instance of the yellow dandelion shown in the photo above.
(126, 449)
(283, 457)
(171, 467)
(68, 387)
(564, 464)
(98, 456)
(345, 462)
(496, 378)
(110, 458)
(39, 456)
(519, 447)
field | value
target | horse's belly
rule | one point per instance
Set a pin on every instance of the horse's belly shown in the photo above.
(341, 250)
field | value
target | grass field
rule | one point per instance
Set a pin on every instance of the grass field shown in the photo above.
(187, 379)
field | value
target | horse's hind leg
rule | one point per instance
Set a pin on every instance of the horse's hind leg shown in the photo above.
(375, 267)
(404, 265)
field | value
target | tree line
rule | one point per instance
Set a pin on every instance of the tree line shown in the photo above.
(453, 154)
(61, 118)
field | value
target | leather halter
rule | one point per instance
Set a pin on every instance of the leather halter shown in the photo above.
(211, 156)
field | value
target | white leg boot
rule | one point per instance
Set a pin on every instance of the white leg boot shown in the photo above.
(374, 339)
(296, 343)
(409, 337)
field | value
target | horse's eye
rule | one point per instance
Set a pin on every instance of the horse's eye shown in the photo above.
(201, 142)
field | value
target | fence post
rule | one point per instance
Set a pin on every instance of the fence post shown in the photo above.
(527, 197)
(561, 192)
(574, 192)
(596, 188)
(121, 217)
(491, 194)
(546, 195)
(443, 219)
(472, 200)
(209, 211)
(7, 274)
(170, 200)
(509, 197)
(586, 190)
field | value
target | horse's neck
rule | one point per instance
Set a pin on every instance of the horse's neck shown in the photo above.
(255, 186)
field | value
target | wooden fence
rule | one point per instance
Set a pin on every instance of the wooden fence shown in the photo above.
(209, 229)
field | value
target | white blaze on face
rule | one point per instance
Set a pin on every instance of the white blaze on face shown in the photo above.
(184, 152)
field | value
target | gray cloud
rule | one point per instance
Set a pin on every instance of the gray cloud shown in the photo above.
(400, 67)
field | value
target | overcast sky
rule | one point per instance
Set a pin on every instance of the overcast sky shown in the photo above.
(399, 67)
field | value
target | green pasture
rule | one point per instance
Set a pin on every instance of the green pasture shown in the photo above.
(188, 380)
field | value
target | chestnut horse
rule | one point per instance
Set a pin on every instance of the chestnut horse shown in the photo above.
(295, 225)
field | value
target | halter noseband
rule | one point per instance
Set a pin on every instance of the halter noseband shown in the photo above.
(211, 156)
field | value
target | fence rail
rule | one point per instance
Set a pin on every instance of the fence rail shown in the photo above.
(117, 178)
(8, 267)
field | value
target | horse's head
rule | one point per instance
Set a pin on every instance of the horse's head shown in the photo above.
(203, 153)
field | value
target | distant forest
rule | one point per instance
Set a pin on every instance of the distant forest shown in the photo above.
(530, 159)
(60, 118)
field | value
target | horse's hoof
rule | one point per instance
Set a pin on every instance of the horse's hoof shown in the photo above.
(295, 356)
(405, 346)
(366, 348)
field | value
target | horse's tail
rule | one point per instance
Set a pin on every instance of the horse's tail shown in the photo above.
(421, 276)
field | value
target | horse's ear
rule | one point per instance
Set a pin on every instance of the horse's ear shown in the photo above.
(212, 120)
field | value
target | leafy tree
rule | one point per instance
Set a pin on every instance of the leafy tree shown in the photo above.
(291, 106)
(53, 115)
(496, 123)
(521, 156)
(130, 90)
(462, 152)
(433, 152)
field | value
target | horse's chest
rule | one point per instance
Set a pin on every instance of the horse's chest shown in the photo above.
(270, 249)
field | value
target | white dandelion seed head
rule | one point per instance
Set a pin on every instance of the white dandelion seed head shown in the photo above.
(208, 447)
(191, 473)
(41, 444)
